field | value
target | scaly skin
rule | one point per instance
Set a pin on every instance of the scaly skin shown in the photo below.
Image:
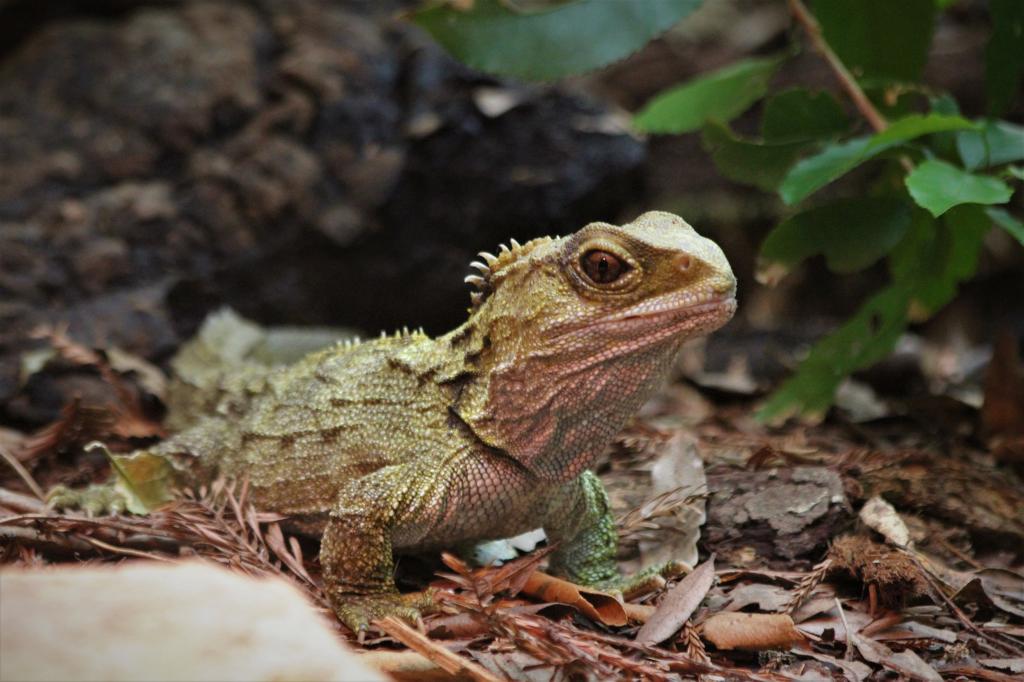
(412, 444)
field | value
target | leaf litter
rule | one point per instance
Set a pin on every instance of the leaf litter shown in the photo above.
(926, 585)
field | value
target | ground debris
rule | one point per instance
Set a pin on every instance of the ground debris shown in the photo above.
(799, 590)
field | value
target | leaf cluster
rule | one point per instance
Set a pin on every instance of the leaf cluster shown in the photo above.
(941, 180)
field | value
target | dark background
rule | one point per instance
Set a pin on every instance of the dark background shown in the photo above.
(324, 163)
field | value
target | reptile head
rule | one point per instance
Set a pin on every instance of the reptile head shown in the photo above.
(623, 287)
(578, 332)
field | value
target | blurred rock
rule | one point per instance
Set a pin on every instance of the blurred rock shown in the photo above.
(306, 162)
(151, 621)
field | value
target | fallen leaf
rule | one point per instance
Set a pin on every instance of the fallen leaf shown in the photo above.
(149, 375)
(1013, 665)
(855, 671)
(831, 621)
(751, 631)
(765, 597)
(1000, 588)
(678, 475)
(639, 613)
(678, 605)
(913, 630)
(910, 664)
(517, 665)
(882, 517)
(594, 604)
(76, 426)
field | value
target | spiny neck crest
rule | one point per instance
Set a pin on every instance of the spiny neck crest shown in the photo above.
(490, 269)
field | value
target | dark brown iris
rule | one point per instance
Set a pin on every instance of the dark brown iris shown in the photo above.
(602, 267)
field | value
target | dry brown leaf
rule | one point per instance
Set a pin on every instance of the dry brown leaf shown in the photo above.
(765, 597)
(489, 580)
(678, 605)
(910, 664)
(639, 613)
(1013, 665)
(594, 604)
(855, 671)
(76, 426)
(970, 672)
(751, 631)
(882, 517)
(129, 418)
(517, 665)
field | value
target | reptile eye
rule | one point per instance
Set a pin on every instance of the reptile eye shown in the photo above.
(602, 267)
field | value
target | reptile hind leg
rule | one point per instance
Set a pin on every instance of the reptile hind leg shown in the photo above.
(142, 481)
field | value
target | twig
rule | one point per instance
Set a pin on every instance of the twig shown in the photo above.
(125, 550)
(71, 543)
(846, 79)
(448, 661)
(1012, 647)
(850, 637)
(23, 473)
(22, 504)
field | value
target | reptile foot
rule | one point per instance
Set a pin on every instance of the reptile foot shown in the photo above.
(648, 580)
(96, 500)
(359, 612)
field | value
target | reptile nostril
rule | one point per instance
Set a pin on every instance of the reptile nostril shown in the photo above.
(683, 262)
(725, 286)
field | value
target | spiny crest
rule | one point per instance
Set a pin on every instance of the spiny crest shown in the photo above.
(404, 333)
(489, 268)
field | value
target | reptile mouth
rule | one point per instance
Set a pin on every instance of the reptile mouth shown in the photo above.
(654, 322)
(725, 303)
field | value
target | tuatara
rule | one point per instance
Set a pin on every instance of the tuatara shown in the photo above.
(409, 443)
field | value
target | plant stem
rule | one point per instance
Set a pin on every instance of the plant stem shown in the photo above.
(846, 79)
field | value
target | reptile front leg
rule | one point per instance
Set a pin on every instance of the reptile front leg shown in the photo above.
(356, 551)
(581, 523)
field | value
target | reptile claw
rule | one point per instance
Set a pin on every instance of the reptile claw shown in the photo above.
(359, 612)
(648, 580)
(96, 500)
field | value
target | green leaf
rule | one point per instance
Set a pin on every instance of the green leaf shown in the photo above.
(916, 125)
(863, 340)
(997, 142)
(760, 164)
(851, 233)
(799, 114)
(937, 255)
(566, 39)
(718, 96)
(938, 186)
(879, 38)
(928, 265)
(813, 173)
(1006, 221)
(1004, 55)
